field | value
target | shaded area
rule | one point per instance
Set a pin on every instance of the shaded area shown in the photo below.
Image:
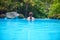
(40, 8)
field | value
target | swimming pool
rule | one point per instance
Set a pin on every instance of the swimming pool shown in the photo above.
(22, 29)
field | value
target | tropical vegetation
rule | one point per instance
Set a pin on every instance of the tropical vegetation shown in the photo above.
(40, 8)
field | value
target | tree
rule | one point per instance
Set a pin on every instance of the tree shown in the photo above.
(54, 11)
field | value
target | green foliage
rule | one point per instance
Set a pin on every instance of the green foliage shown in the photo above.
(55, 10)
(40, 8)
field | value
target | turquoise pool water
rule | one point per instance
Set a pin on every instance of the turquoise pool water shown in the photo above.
(20, 29)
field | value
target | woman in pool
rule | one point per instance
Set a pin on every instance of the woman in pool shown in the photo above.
(30, 16)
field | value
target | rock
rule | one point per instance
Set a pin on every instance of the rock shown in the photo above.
(12, 14)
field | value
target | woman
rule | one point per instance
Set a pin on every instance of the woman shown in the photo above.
(30, 16)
